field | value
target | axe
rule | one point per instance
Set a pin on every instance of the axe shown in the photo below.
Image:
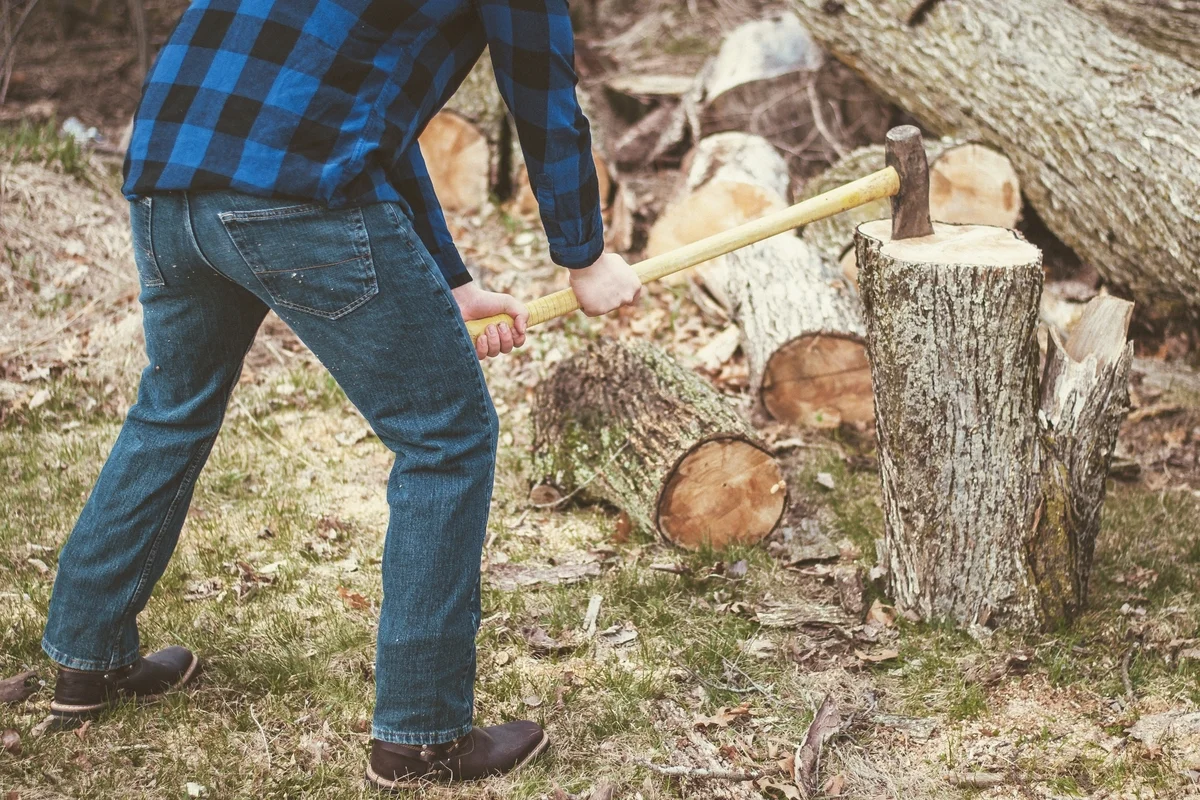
(905, 180)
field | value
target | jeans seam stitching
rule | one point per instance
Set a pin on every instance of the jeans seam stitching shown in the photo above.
(187, 205)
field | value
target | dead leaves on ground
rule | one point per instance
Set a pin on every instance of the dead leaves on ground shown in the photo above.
(19, 687)
(725, 716)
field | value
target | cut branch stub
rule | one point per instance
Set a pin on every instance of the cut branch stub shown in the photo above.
(625, 423)
(991, 500)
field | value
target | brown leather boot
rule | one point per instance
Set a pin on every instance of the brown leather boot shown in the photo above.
(482, 753)
(80, 695)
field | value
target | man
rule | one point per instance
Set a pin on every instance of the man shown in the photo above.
(274, 165)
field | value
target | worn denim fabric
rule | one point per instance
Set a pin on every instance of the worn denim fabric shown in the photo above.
(359, 288)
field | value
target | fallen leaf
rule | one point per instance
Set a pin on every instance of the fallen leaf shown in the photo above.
(542, 643)
(39, 399)
(826, 480)
(196, 789)
(835, 785)
(82, 731)
(738, 570)
(202, 589)
(532, 701)
(619, 635)
(10, 740)
(623, 529)
(882, 655)
(18, 687)
(351, 438)
(881, 616)
(353, 600)
(502, 658)
(39, 565)
(724, 717)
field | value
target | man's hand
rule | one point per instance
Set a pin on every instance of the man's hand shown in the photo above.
(606, 285)
(475, 303)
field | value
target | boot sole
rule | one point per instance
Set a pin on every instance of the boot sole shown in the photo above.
(379, 782)
(67, 716)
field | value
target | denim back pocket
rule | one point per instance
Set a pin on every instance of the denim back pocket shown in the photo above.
(141, 219)
(308, 258)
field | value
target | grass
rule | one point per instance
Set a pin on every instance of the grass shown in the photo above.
(282, 707)
(42, 143)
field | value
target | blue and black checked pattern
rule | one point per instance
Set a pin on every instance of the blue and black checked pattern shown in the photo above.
(324, 99)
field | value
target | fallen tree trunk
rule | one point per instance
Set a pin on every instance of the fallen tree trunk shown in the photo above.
(969, 184)
(627, 424)
(770, 78)
(802, 332)
(1100, 129)
(991, 497)
(1168, 26)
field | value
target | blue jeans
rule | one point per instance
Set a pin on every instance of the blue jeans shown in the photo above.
(358, 287)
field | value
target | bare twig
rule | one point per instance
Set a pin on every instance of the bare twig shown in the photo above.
(720, 687)
(12, 35)
(266, 741)
(702, 774)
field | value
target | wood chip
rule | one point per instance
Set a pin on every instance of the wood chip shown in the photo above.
(18, 687)
(826, 724)
(511, 577)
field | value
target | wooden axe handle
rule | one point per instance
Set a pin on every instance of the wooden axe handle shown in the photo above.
(876, 186)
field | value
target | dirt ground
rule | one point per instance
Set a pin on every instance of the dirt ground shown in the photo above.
(700, 661)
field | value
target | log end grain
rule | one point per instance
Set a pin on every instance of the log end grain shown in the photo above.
(819, 381)
(974, 184)
(459, 159)
(723, 492)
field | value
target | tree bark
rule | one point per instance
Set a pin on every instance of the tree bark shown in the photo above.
(770, 78)
(802, 332)
(1100, 129)
(1168, 26)
(626, 424)
(991, 497)
(969, 184)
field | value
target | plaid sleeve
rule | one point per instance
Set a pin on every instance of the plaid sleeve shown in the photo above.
(533, 55)
(411, 178)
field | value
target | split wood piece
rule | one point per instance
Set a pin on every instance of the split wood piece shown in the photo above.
(991, 500)
(731, 178)
(634, 428)
(969, 184)
(1100, 129)
(802, 332)
(771, 78)
(469, 145)
(1168, 26)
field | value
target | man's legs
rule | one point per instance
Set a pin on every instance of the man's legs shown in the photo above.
(198, 327)
(362, 292)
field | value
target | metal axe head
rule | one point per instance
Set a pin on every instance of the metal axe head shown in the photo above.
(910, 206)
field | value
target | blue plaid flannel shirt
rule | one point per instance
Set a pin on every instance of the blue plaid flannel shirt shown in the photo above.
(324, 100)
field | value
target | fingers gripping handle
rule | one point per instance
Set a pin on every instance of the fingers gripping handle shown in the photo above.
(876, 186)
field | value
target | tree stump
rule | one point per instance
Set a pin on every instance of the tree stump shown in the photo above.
(802, 332)
(625, 423)
(991, 496)
(969, 184)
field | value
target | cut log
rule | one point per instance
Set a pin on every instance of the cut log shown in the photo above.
(1100, 129)
(969, 184)
(627, 424)
(731, 178)
(1168, 26)
(771, 78)
(991, 497)
(802, 332)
